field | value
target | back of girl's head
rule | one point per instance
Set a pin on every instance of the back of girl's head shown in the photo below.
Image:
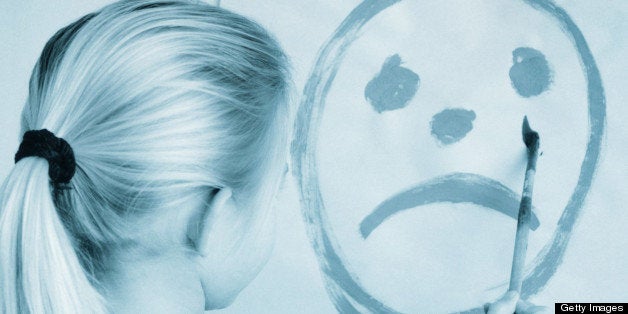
(161, 101)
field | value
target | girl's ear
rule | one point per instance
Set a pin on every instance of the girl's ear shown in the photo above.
(232, 245)
(218, 218)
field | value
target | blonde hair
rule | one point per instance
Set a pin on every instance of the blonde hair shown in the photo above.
(161, 101)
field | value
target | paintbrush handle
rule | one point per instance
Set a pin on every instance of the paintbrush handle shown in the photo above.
(523, 223)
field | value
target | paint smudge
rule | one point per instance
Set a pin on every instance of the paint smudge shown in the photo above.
(393, 87)
(452, 188)
(530, 73)
(451, 125)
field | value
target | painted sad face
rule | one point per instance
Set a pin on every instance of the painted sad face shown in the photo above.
(409, 155)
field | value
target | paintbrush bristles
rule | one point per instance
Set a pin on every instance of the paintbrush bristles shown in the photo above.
(530, 137)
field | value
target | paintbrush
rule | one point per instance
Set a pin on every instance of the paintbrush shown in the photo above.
(531, 139)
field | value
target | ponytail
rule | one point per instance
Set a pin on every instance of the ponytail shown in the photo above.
(160, 99)
(40, 271)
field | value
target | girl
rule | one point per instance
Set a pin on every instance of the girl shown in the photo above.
(154, 142)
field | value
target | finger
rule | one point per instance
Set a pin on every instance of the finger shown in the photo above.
(525, 307)
(506, 304)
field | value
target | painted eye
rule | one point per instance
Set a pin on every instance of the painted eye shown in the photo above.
(393, 87)
(530, 73)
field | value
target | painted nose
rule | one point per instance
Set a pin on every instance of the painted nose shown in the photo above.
(451, 125)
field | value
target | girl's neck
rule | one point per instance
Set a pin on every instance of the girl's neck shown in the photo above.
(163, 283)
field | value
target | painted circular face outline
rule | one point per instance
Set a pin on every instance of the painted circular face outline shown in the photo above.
(347, 293)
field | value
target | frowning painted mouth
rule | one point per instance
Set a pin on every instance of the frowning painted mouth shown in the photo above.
(456, 187)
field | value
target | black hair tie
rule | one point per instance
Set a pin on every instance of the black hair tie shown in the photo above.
(58, 153)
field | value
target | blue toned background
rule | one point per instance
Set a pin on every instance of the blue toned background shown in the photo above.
(594, 267)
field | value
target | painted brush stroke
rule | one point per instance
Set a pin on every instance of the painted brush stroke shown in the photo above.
(452, 188)
(347, 294)
(303, 150)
